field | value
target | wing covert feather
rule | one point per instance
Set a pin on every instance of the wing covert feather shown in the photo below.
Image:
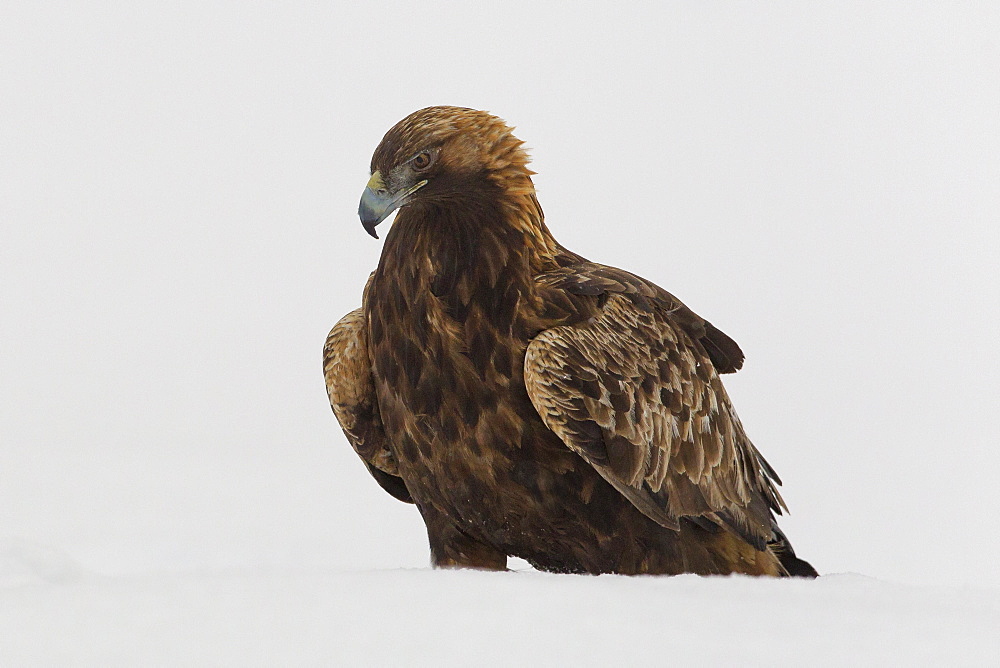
(591, 278)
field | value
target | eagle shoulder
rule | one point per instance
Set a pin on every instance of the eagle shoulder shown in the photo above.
(349, 385)
(591, 278)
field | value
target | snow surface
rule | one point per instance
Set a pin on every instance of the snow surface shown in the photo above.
(178, 188)
(460, 618)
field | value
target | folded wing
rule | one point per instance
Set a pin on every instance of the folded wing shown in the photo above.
(636, 392)
(352, 396)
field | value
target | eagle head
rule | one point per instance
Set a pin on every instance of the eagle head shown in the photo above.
(439, 155)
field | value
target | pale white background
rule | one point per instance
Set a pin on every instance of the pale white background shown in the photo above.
(178, 188)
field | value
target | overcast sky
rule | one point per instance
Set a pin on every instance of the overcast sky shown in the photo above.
(178, 233)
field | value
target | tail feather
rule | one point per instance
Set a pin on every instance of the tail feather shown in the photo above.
(795, 567)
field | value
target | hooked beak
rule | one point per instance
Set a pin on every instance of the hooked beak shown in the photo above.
(377, 202)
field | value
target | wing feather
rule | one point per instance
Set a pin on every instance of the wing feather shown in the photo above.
(636, 392)
(352, 397)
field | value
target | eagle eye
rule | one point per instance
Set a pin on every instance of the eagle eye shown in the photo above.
(422, 161)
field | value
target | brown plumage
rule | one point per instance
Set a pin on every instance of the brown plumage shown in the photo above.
(532, 403)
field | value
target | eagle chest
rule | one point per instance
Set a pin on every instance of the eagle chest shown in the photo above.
(448, 365)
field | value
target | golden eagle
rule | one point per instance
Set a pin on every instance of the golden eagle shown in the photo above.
(531, 402)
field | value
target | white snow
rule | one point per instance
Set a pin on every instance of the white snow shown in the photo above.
(178, 187)
(456, 618)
